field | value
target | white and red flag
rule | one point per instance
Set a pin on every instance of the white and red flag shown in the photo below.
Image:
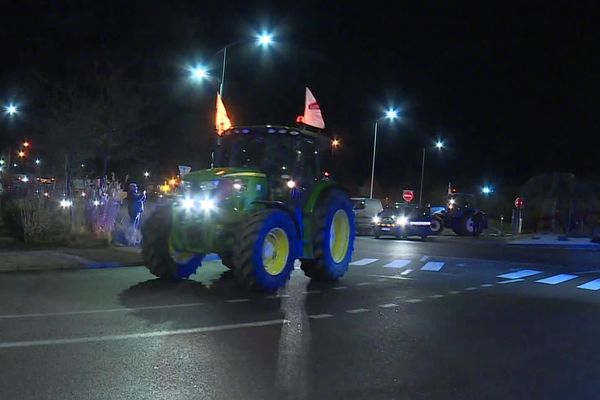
(312, 111)
(222, 122)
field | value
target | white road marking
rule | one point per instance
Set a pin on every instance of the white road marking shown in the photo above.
(340, 287)
(237, 300)
(556, 279)
(97, 311)
(363, 283)
(591, 285)
(363, 261)
(320, 316)
(424, 258)
(357, 310)
(141, 335)
(486, 285)
(406, 272)
(454, 292)
(432, 266)
(397, 264)
(312, 292)
(461, 265)
(471, 288)
(399, 297)
(523, 273)
(393, 277)
(512, 281)
(278, 296)
(413, 300)
(388, 305)
(380, 280)
(436, 296)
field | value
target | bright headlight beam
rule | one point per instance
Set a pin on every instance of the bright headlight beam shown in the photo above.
(376, 220)
(402, 220)
(187, 203)
(207, 205)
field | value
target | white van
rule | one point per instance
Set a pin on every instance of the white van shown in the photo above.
(365, 210)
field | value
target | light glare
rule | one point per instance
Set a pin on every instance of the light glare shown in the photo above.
(265, 39)
(391, 114)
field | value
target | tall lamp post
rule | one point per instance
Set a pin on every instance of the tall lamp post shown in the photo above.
(391, 115)
(200, 72)
(439, 145)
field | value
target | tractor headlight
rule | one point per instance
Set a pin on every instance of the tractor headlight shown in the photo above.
(376, 220)
(401, 221)
(187, 203)
(207, 205)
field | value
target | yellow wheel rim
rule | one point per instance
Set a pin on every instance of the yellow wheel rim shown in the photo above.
(339, 235)
(275, 251)
(180, 257)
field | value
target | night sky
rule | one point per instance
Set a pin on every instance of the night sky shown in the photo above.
(513, 90)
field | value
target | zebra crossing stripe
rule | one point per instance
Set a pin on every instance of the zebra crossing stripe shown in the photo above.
(523, 273)
(406, 272)
(363, 261)
(432, 266)
(556, 279)
(591, 285)
(397, 264)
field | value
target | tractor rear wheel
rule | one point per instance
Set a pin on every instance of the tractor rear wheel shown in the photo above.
(333, 239)
(437, 225)
(158, 252)
(266, 250)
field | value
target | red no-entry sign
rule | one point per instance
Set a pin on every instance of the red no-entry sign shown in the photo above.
(519, 202)
(408, 195)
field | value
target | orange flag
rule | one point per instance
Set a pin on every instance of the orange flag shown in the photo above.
(312, 111)
(222, 122)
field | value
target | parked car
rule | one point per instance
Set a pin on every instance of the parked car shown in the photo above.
(402, 221)
(365, 210)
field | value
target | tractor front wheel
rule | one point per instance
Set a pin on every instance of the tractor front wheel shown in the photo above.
(266, 250)
(333, 240)
(158, 252)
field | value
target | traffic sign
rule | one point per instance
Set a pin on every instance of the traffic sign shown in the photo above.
(408, 195)
(519, 202)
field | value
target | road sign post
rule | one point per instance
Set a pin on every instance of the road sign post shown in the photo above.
(518, 216)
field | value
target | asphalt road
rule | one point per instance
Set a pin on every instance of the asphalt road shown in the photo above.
(449, 318)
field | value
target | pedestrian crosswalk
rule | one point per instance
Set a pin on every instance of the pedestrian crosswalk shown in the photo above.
(407, 267)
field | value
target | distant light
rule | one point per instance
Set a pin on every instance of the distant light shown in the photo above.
(15, 165)
(199, 73)
(452, 201)
(11, 109)
(207, 205)
(146, 174)
(391, 114)
(37, 161)
(335, 143)
(64, 203)
(46, 194)
(96, 203)
(237, 186)
(21, 154)
(1, 168)
(291, 184)
(26, 144)
(82, 165)
(25, 179)
(2, 162)
(486, 190)
(265, 39)
(82, 194)
(172, 181)
(439, 145)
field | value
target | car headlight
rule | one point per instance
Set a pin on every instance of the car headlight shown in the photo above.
(376, 220)
(207, 205)
(187, 203)
(401, 221)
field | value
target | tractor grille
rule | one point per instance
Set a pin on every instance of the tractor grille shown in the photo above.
(387, 221)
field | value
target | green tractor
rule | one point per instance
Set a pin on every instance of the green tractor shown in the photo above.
(265, 204)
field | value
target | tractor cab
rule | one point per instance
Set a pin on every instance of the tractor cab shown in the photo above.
(288, 157)
(461, 201)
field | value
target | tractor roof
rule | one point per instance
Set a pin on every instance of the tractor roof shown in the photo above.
(276, 129)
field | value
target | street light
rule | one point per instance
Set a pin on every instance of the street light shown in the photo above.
(335, 143)
(264, 40)
(37, 161)
(146, 174)
(198, 73)
(11, 109)
(21, 154)
(439, 145)
(391, 114)
(486, 189)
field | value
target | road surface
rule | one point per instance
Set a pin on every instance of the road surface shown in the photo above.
(448, 318)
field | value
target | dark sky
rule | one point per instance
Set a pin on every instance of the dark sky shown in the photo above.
(514, 90)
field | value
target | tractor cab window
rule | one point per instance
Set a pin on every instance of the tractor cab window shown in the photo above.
(305, 166)
(268, 153)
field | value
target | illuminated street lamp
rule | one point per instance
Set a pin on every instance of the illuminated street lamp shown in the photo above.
(37, 161)
(486, 189)
(439, 145)
(391, 114)
(21, 154)
(199, 73)
(146, 174)
(264, 39)
(26, 144)
(335, 143)
(11, 109)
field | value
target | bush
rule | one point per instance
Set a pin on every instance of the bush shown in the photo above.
(42, 220)
(11, 218)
